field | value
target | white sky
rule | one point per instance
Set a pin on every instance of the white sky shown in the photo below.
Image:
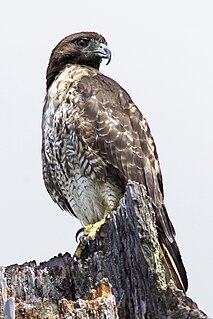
(163, 56)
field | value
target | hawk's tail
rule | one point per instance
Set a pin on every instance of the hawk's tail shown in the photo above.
(175, 269)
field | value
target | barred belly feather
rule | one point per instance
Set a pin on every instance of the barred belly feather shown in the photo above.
(77, 179)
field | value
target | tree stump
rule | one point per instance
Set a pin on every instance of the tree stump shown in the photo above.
(119, 274)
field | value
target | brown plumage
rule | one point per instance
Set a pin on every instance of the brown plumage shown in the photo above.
(95, 139)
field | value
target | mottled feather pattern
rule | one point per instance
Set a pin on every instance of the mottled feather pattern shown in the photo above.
(68, 132)
(121, 136)
(91, 116)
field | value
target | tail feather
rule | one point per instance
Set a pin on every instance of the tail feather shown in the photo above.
(172, 259)
(173, 262)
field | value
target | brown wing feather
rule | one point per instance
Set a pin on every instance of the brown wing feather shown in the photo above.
(121, 136)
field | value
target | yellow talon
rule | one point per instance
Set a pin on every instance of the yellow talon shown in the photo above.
(89, 233)
(92, 229)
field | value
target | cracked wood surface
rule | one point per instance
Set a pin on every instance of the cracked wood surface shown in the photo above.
(119, 274)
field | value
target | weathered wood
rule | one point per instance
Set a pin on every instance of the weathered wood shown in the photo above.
(119, 274)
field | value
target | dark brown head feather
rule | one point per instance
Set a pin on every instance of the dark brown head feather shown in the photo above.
(68, 51)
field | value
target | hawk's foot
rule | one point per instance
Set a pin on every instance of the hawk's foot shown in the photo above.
(89, 234)
(92, 229)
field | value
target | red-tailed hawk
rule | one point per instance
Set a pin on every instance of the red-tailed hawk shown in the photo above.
(95, 139)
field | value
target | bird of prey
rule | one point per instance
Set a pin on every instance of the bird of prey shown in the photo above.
(95, 139)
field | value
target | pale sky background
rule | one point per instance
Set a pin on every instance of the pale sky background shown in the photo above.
(162, 54)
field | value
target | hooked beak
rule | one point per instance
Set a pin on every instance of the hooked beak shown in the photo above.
(104, 52)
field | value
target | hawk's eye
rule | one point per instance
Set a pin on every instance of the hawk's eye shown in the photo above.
(83, 43)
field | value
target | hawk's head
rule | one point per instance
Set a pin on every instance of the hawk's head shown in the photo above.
(86, 48)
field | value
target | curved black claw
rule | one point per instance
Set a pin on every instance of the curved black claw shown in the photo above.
(77, 233)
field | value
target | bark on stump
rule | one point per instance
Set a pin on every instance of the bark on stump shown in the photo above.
(119, 274)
